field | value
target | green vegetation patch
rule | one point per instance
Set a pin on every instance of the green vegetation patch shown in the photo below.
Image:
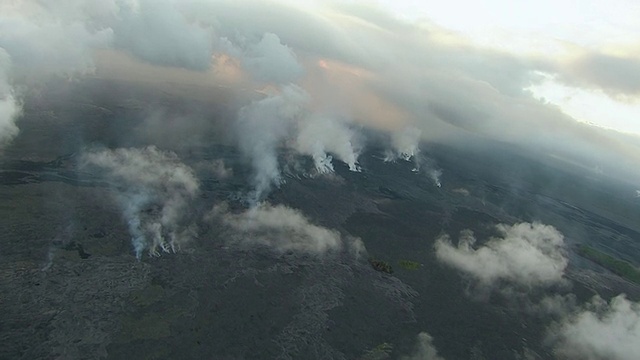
(380, 352)
(381, 265)
(616, 266)
(409, 265)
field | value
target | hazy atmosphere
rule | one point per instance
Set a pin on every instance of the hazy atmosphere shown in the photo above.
(204, 179)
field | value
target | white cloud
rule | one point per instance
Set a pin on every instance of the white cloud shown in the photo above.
(282, 229)
(525, 254)
(601, 331)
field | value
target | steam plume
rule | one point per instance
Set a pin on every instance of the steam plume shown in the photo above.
(424, 350)
(154, 189)
(405, 143)
(262, 127)
(320, 134)
(9, 107)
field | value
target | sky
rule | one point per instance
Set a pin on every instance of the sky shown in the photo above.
(547, 28)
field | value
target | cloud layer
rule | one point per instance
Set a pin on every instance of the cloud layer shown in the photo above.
(373, 68)
(529, 254)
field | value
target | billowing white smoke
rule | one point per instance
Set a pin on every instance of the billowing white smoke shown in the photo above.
(266, 125)
(526, 254)
(283, 119)
(405, 143)
(9, 107)
(424, 350)
(601, 331)
(154, 190)
(281, 229)
(435, 175)
(320, 134)
(262, 127)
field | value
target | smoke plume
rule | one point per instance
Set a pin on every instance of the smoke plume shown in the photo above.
(283, 120)
(320, 134)
(9, 107)
(262, 128)
(154, 189)
(435, 175)
(405, 144)
(424, 349)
